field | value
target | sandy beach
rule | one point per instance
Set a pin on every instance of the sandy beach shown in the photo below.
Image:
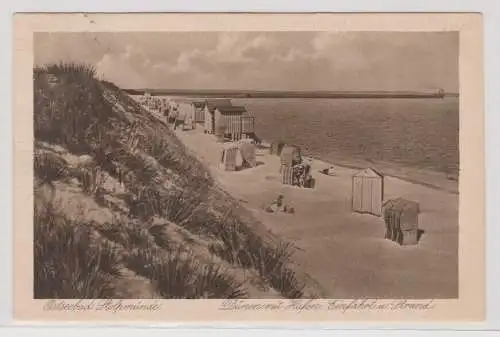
(344, 251)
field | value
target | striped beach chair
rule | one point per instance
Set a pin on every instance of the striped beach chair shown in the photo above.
(287, 175)
(229, 153)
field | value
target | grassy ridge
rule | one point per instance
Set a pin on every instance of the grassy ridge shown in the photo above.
(123, 211)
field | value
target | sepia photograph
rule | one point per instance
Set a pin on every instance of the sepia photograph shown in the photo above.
(246, 165)
(314, 171)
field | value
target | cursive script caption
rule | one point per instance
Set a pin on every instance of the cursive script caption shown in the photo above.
(330, 305)
(113, 306)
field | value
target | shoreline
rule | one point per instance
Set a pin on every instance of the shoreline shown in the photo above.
(424, 177)
(324, 228)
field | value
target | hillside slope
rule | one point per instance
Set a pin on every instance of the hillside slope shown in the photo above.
(123, 210)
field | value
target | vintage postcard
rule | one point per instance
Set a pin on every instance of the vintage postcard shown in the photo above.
(248, 167)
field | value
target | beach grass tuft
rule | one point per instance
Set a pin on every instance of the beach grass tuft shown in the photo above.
(68, 262)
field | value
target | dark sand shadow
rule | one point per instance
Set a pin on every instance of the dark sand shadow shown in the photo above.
(246, 167)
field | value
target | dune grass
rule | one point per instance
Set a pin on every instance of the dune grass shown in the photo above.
(178, 274)
(242, 247)
(67, 263)
(74, 112)
(70, 260)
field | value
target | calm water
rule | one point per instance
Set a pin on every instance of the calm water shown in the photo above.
(418, 133)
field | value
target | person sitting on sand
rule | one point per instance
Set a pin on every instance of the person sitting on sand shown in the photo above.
(280, 202)
(276, 205)
(331, 171)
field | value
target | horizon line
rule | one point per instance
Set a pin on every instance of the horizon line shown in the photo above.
(299, 93)
(313, 90)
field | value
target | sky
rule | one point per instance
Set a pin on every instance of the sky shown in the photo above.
(262, 60)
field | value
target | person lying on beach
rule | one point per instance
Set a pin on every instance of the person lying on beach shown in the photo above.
(330, 171)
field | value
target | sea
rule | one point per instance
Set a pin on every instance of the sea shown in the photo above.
(419, 133)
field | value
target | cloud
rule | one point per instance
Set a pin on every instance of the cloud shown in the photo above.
(186, 61)
(237, 48)
(127, 69)
(263, 60)
(291, 56)
(232, 56)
